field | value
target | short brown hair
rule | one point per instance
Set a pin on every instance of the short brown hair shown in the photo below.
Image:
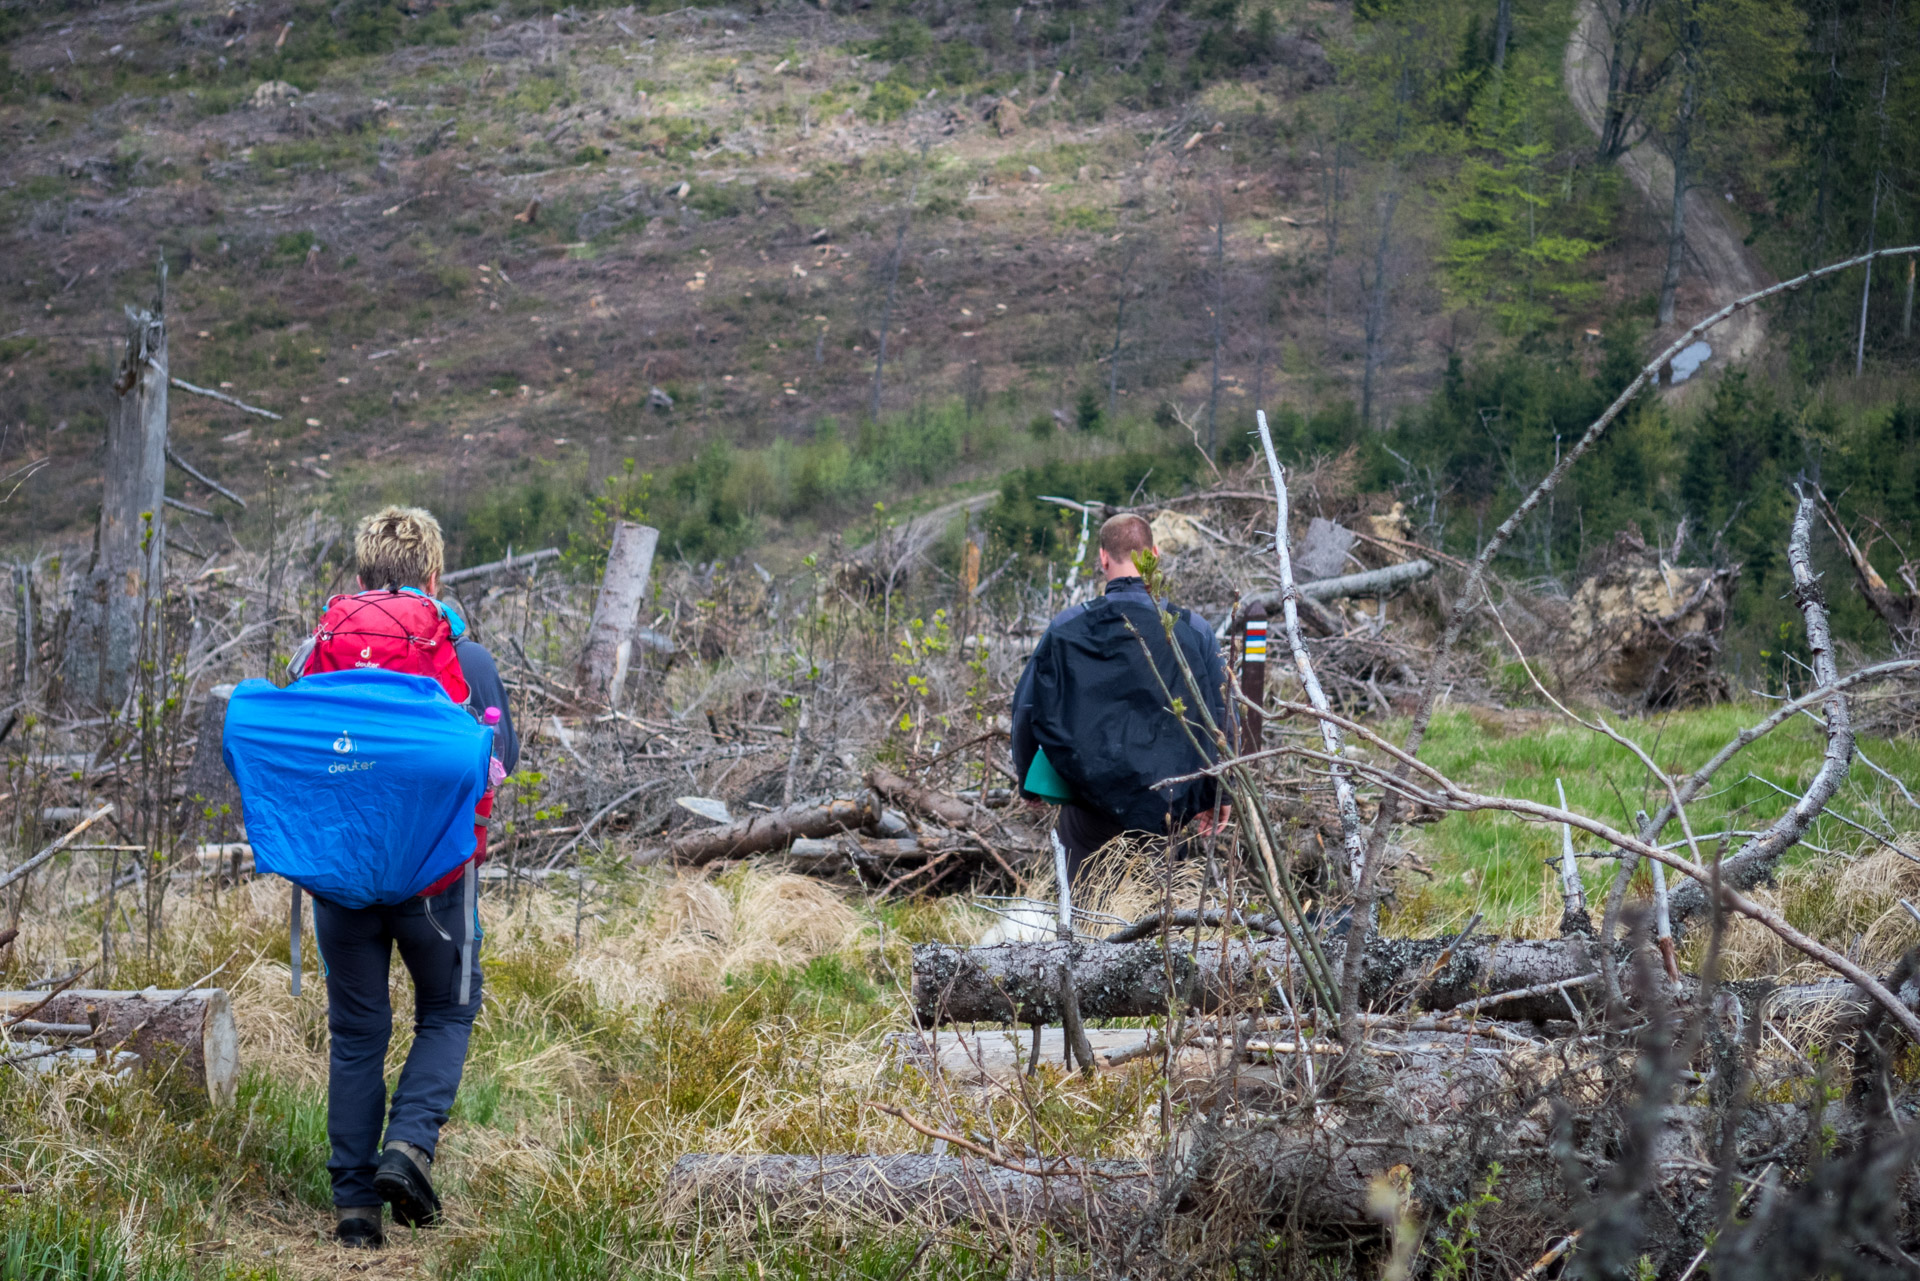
(1125, 535)
(399, 547)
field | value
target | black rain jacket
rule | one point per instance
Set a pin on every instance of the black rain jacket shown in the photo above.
(1095, 696)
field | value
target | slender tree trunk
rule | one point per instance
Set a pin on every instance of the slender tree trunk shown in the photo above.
(112, 605)
(886, 314)
(1119, 333)
(1873, 213)
(1219, 321)
(1377, 306)
(1682, 149)
(1613, 120)
(1330, 182)
(1502, 31)
(1866, 285)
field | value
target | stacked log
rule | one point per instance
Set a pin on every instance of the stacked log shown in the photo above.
(191, 1033)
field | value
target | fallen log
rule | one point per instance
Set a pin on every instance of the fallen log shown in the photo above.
(500, 566)
(190, 1034)
(764, 833)
(921, 1190)
(1372, 582)
(950, 810)
(1018, 982)
(1319, 1171)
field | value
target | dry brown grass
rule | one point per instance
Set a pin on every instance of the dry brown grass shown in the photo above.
(1852, 902)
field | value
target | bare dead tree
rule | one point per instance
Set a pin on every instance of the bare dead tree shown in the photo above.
(114, 600)
(893, 287)
(1218, 312)
(1679, 148)
(1633, 75)
(1378, 292)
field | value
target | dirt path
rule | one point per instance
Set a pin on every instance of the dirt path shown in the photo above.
(1729, 268)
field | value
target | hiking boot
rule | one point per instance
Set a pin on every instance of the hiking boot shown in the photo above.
(401, 1180)
(359, 1228)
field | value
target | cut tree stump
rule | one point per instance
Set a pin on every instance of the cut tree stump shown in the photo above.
(192, 1035)
(616, 613)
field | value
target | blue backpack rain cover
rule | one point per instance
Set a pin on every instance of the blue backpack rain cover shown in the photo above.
(358, 786)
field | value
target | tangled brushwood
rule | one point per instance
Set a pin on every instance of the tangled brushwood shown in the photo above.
(781, 977)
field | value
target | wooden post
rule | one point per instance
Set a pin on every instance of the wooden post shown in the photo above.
(616, 614)
(1253, 676)
(111, 605)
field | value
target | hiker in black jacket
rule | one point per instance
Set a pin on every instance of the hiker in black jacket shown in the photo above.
(1094, 706)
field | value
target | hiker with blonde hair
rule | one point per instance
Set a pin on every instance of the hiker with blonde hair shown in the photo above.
(395, 624)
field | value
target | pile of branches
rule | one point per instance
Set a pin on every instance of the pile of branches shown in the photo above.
(1577, 1105)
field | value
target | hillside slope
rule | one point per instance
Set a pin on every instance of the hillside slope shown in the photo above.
(459, 247)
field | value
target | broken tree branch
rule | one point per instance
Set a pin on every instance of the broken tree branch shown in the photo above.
(501, 566)
(205, 479)
(1357, 870)
(13, 874)
(223, 398)
(1755, 861)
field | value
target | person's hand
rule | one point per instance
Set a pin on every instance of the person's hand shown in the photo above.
(1033, 803)
(1205, 823)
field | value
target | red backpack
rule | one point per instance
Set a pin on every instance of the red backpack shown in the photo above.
(395, 631)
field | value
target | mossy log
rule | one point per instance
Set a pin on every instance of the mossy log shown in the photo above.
(1017, 982)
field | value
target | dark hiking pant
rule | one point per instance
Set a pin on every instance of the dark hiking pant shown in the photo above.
(1083, 832)
(356, 953)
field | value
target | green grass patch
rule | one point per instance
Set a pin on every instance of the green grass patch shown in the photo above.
(1498, 865)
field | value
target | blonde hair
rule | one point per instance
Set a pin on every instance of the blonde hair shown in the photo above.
(399, 547)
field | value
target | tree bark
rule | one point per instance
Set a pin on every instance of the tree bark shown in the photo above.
(1502, 31)
(1019, 982)
(950, 810)
(921, 1190)
(193, 1036)
(765, 832)
(111, 608)
(1372, 582)
(616, 613)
